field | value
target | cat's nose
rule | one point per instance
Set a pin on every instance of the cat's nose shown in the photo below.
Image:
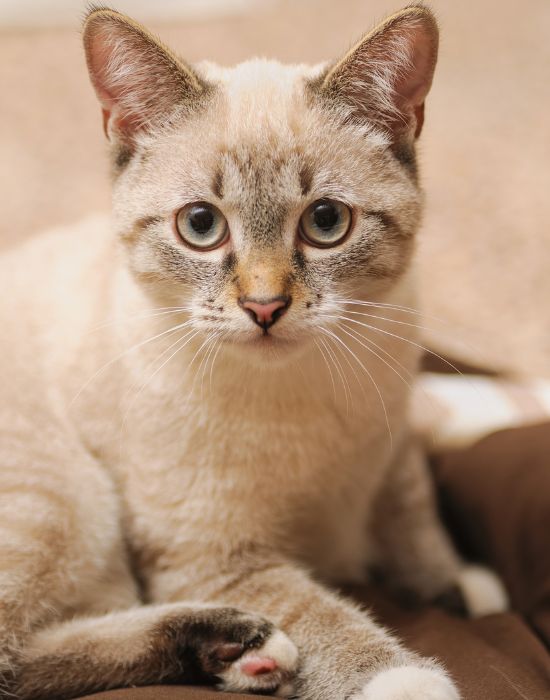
(265, 312)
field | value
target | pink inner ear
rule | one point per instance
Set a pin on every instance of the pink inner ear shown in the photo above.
(117, 86)
(386, 77)
(139, 84)
(106, 117)
(414, 80)
(123, 125)
(419, 115)
(98, 55)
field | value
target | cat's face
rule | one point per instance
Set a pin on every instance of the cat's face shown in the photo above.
(265, 195)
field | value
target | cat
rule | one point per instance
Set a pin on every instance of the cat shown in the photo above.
(204, 410)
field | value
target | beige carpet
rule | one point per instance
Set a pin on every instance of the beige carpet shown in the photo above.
(485, 248)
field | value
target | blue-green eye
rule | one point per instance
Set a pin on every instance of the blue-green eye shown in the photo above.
(325, 223)
(202, 225)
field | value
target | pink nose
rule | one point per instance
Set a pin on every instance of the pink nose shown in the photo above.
(265, 313)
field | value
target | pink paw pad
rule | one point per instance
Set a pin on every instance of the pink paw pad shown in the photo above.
(258, 665)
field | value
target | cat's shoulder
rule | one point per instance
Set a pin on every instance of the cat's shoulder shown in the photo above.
(65, 246)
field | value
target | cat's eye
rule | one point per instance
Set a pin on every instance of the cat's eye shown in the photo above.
(325, 223)
(202, 225)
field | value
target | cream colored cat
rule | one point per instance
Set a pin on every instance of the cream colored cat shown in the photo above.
(206, 412)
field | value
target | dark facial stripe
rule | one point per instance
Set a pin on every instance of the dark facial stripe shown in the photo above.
(264, 210)
(147, 221)
(306, 178)
(131, 236)
(122, 156)
(217, 184)
(228, 263)
(387, 221)
(176, 265)
(298, 260)
(405, 154)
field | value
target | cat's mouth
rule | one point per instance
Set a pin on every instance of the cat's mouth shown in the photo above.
(267, 339)
(264, 340)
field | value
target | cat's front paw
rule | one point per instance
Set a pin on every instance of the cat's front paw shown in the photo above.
(250, 655)
(409, 683)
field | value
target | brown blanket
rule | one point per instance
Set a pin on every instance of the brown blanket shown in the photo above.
(497, 496)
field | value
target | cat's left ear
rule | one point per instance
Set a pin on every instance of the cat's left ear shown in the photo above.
(139, 81)
(385, 78)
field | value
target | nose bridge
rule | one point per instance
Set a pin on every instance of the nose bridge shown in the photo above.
(263, 277)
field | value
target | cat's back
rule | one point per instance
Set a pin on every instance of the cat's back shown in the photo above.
(50, 287)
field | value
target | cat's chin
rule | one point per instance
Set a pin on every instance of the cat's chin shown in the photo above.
(268, 344)
(266, 349)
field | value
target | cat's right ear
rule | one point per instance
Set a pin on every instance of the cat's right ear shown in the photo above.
(139, 82)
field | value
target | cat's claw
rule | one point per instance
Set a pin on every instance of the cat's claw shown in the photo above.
(409, 683)
(269, 668)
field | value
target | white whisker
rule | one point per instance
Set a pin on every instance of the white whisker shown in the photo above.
(391, 320)
(369, 374)
(328, 366)
(204, 344)
(338, 368)
(406, 340)
(513, 685)
(330, 341)
(421, 327)
(362, 340)
(154, 313)
(394, 307)
(204, 362)
(220, 343)
(173, 329)
(332, 337)
(411, 385)
(385, 305)
(449, 330)
(187, 337)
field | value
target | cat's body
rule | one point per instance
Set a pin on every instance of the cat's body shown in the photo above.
(219, 462)
(286, 431)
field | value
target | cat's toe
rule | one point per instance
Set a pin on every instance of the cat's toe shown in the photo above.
(410, 683)
(267, 667)
(482, 590)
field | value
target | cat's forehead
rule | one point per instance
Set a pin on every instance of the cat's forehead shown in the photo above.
(262, 111)
(267, 112)
(261, 92)
(264, 143)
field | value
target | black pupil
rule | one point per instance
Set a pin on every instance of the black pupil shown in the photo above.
(201, 219)
(325, 216)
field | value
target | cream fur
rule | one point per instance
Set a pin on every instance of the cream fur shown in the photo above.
(278, 647)
(222, 467)
(410, 683)
(483, 591)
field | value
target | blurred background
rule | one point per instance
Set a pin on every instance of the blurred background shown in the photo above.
(484, 251)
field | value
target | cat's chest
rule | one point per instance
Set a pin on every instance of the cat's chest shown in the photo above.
(305, 479)
(299, 443)
(293, 464)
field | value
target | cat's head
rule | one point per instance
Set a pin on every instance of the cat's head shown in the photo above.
(264, 196)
